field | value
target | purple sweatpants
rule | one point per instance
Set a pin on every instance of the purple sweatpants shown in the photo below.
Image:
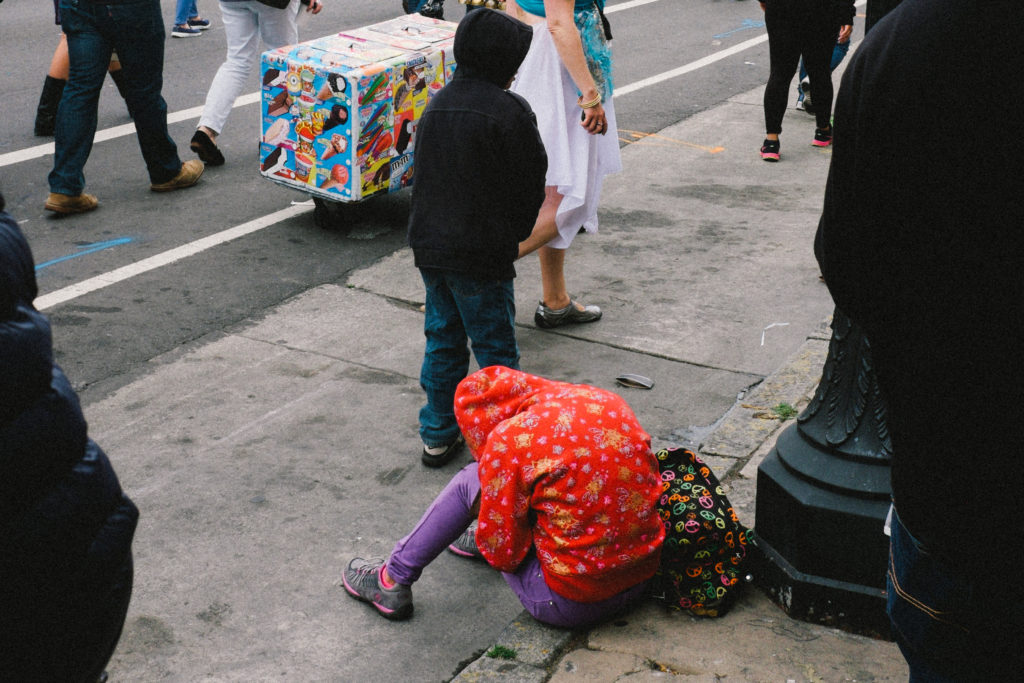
(445, 520)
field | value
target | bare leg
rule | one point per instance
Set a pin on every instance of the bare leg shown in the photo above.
(60, 64)
(552, 277)
(545, 229)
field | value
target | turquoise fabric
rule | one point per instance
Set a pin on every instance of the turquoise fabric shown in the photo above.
(537, 6)
(595, 45)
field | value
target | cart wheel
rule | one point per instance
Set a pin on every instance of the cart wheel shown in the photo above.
(330, 215)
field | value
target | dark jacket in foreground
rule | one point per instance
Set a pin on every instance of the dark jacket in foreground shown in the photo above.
(65, 525)
(921, 243)
(480, 162)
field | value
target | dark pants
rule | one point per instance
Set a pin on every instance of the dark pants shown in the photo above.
(72, 632)
(791, 34)
(460, 308)
(954, 624)
(135, 29)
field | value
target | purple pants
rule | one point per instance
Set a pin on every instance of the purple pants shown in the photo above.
(444, 521)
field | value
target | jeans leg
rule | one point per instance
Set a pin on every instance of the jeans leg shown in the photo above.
(137, 31)
(951, 624)
(89, 53)
(445, 360)
(444, 521)
(839, 54)
(488, 311)
(242, 31)
(182, 10)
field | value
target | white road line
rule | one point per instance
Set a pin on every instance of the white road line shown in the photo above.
(167, 257)
(170, 256)
(692, 66)
(626, 5)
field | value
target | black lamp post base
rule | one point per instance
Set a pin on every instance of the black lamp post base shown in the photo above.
(821, 554)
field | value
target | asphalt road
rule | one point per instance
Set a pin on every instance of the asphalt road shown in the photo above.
(673, 59)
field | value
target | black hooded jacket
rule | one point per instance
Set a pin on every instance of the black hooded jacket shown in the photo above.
(66, 526)
(480, 162)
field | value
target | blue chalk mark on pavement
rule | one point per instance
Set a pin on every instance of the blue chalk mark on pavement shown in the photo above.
(747, 25)
(87, 249)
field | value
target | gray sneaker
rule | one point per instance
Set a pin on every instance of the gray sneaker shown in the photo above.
(465, 545)
(362, 581)
(548, 318)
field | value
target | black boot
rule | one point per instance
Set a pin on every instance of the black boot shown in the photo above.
(46, 113)
(118, 79)
(433, 9)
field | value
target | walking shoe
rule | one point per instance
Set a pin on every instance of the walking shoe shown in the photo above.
(436, 456)
(184, 31)
(548, 318)
(362, 581)
(199, 23)
(770, 150)
(67, 204)
(822, 137)
(465, 545)
(187, 177)
(206, 149)
(804, 102)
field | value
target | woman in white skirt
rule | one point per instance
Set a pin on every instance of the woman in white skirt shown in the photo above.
(566, 77)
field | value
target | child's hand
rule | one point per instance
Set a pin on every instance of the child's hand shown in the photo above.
(313, 6)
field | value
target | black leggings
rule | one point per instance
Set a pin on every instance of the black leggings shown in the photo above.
(790, 35)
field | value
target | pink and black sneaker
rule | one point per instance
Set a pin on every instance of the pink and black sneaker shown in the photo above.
(362, 580)
(822, 137)
(770, 150)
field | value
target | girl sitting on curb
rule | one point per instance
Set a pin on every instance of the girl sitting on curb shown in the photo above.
(563, 488)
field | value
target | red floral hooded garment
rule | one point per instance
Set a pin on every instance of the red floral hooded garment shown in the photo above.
(568, 470)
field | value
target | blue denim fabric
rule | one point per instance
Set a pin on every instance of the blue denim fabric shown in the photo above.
(136, 31)
(183, 11)
(459, 307)
(952, 624)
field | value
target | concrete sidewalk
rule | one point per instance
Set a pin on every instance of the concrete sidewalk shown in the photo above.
(264, 459)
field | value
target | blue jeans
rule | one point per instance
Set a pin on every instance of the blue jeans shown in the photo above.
(135, 29)
(953, 624)
(183, 11)
(460, 308)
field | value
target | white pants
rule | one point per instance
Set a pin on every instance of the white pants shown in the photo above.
(245, 22)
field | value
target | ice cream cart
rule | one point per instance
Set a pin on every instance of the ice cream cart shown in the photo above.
(339, 113)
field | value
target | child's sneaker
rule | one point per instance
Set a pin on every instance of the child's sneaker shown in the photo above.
(770, 150)
(199, 23)
(184, 31)
(362, 581)
(437, 456)
(822, 137)
(465, 545)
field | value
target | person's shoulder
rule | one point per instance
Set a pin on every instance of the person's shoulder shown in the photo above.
(520, 100)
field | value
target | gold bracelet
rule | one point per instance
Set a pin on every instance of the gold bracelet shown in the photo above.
(589, 105)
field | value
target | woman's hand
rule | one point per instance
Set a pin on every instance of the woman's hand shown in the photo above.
(595, 120)
(314, 6)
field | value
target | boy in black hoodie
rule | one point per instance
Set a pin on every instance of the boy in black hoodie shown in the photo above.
(480, 167)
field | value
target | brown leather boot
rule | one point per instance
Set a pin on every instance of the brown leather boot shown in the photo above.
(66, 204)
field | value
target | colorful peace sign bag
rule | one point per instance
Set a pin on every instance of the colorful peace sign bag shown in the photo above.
(705, 544)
